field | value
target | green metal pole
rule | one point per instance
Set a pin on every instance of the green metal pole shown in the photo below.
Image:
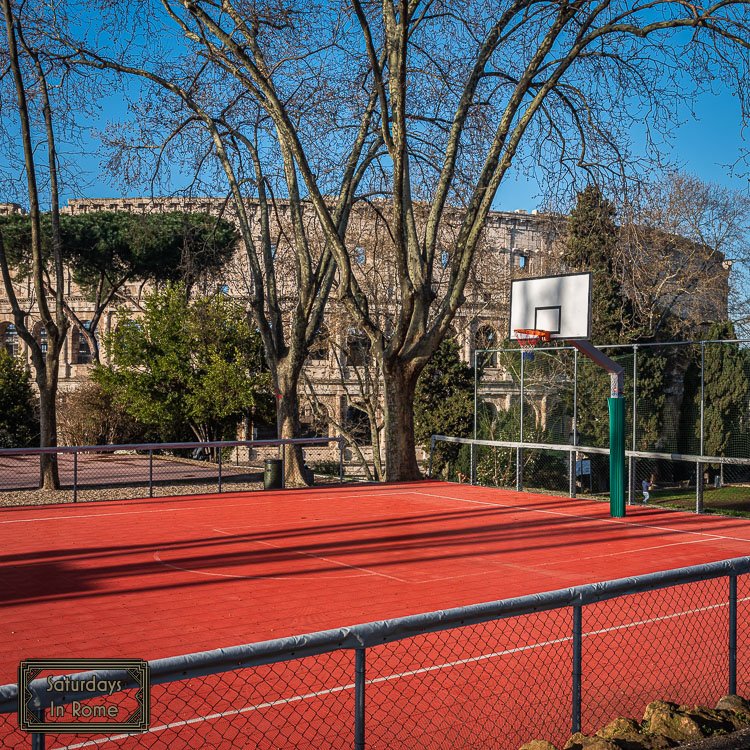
(616, 457)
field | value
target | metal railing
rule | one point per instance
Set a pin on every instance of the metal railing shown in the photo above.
(558, 369)
(499, 673)
(137, 462)
(682, 398)
(573, 454)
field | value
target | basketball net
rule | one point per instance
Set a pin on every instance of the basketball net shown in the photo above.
(529, 338)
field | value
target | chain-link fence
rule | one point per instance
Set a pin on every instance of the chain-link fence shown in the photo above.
(580, 469)
(110, 472)
(687, 418)
(489, 675)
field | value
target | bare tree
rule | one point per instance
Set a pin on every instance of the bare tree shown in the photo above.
(222, 124)
(354, 374)
(31, 70)
(687, 243)
(459, 96)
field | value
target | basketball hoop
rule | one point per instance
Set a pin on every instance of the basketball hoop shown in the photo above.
(529, 338)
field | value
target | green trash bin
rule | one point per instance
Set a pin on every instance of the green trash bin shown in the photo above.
(272, 474)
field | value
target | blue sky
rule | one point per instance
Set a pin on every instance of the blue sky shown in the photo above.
(704, 145)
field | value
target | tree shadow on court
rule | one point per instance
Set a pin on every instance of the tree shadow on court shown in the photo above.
(394, 547)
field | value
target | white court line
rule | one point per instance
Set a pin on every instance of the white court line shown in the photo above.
(582, 517)
(186, 509)
(367, 571)
(289, 577)
(630, 551)
(498, 565)
(397, 676)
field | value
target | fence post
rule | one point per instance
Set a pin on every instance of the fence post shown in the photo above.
(519, 451)
(476, 406)
(476, 395)
(341, 459)
(632, 459)
(432, 450)
(698, 465)
(359, 699)
(75, 476)
(219, 477)
(574, 453)
(572, 472)
(37, 738)
(577, 658)
(150, 472)
(631, 479)
(733, 634)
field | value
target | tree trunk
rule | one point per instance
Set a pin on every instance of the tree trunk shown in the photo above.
(49, 478)
(288, 426)
(375, 441)
(400, 383)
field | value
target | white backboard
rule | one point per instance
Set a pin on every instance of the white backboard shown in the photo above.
(558, 304)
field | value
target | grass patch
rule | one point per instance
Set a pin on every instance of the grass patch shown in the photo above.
(732, 500)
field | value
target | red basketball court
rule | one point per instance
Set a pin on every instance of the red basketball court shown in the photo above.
(155, 578)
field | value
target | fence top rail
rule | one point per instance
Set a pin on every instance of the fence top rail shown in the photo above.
(639, 345)
(377, 633)
(168, 446)
(688, 457)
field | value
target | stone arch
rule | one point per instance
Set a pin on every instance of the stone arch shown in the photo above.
(486, 337)
(320, 347)
(39, 332)
(81, 348)
(9, 338)
(357, 348)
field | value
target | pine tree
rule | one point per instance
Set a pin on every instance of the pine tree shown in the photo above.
(726, 389)
(187, 366)
(592, 245)
(19, 424)
(444, 401)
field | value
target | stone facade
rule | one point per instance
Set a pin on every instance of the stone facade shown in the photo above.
(515, 244)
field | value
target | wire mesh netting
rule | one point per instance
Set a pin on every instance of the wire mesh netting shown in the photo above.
(743, 636)
(109, 473)
(635, 651)
(303, 703)
(10, 734)
(689, 398)
(496, 684)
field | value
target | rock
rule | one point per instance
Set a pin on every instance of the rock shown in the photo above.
(649, 742)
(657, 706)
(666, 725)
(621, 729)
(599, 743)
(734, 703)
(580, 741)
(663, 718)
(575, 742)
(733, 741)
(715, 721)
(538, 745)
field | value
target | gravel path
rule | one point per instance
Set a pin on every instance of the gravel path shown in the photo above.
(733, 741)
(104, 492)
